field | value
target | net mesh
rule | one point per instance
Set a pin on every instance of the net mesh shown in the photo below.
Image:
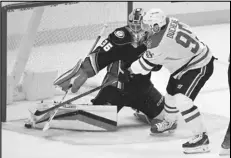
(66, 32)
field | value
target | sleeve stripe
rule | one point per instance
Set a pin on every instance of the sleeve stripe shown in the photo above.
(93, 63)
(148, 62)
(144, 65)
(138, 68)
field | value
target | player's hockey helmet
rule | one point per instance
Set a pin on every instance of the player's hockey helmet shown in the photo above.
(134, 19)
(153, 20)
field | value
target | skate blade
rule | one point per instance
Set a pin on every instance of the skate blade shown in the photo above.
(224, 152)
(197, 150)
(169, 132)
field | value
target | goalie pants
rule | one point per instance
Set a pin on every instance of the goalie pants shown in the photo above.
(139, 94)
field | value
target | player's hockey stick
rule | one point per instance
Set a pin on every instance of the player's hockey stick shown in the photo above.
(38, 112)
(47, 125)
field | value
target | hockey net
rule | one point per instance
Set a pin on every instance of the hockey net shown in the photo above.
(54, 37)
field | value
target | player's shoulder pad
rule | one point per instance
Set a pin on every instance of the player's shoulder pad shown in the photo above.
(121, 36)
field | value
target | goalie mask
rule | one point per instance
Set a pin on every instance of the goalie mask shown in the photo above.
(134, 20)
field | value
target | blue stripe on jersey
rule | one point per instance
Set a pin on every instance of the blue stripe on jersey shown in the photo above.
(143, 66)
(148, 62)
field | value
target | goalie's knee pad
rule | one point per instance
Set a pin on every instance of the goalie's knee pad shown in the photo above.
(186, 106)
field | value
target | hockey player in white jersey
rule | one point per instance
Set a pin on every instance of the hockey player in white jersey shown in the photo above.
(173, 44)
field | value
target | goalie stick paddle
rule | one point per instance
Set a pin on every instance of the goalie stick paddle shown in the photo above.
(38, 112)
(98, 37)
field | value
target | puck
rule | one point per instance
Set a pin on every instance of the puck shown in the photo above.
(28, 125)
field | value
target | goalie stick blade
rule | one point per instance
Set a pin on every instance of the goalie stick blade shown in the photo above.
(38, 112)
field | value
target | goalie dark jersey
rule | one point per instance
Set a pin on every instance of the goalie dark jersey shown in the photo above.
(118, 46)
(118, 52)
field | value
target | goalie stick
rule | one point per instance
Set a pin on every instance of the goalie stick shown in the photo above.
(47, 125)
(98, 38)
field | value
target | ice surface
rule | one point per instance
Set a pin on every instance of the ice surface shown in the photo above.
(213, 99)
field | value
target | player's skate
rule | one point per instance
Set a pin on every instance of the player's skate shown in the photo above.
(163, 126)
(225, 146)
(198, 144)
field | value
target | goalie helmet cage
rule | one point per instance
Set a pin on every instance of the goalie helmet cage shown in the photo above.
(44, 27)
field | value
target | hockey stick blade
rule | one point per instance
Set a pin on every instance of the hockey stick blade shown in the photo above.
(38, 112)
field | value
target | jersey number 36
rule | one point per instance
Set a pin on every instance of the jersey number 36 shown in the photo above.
(189, 41)
(106, 45)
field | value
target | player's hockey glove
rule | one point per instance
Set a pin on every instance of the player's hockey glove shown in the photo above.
(125, 76)
(156, 67)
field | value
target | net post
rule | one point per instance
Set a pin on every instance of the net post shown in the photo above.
(3, 63)
(26, 45)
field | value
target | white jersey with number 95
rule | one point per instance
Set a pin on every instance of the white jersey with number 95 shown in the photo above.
(173, 47)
